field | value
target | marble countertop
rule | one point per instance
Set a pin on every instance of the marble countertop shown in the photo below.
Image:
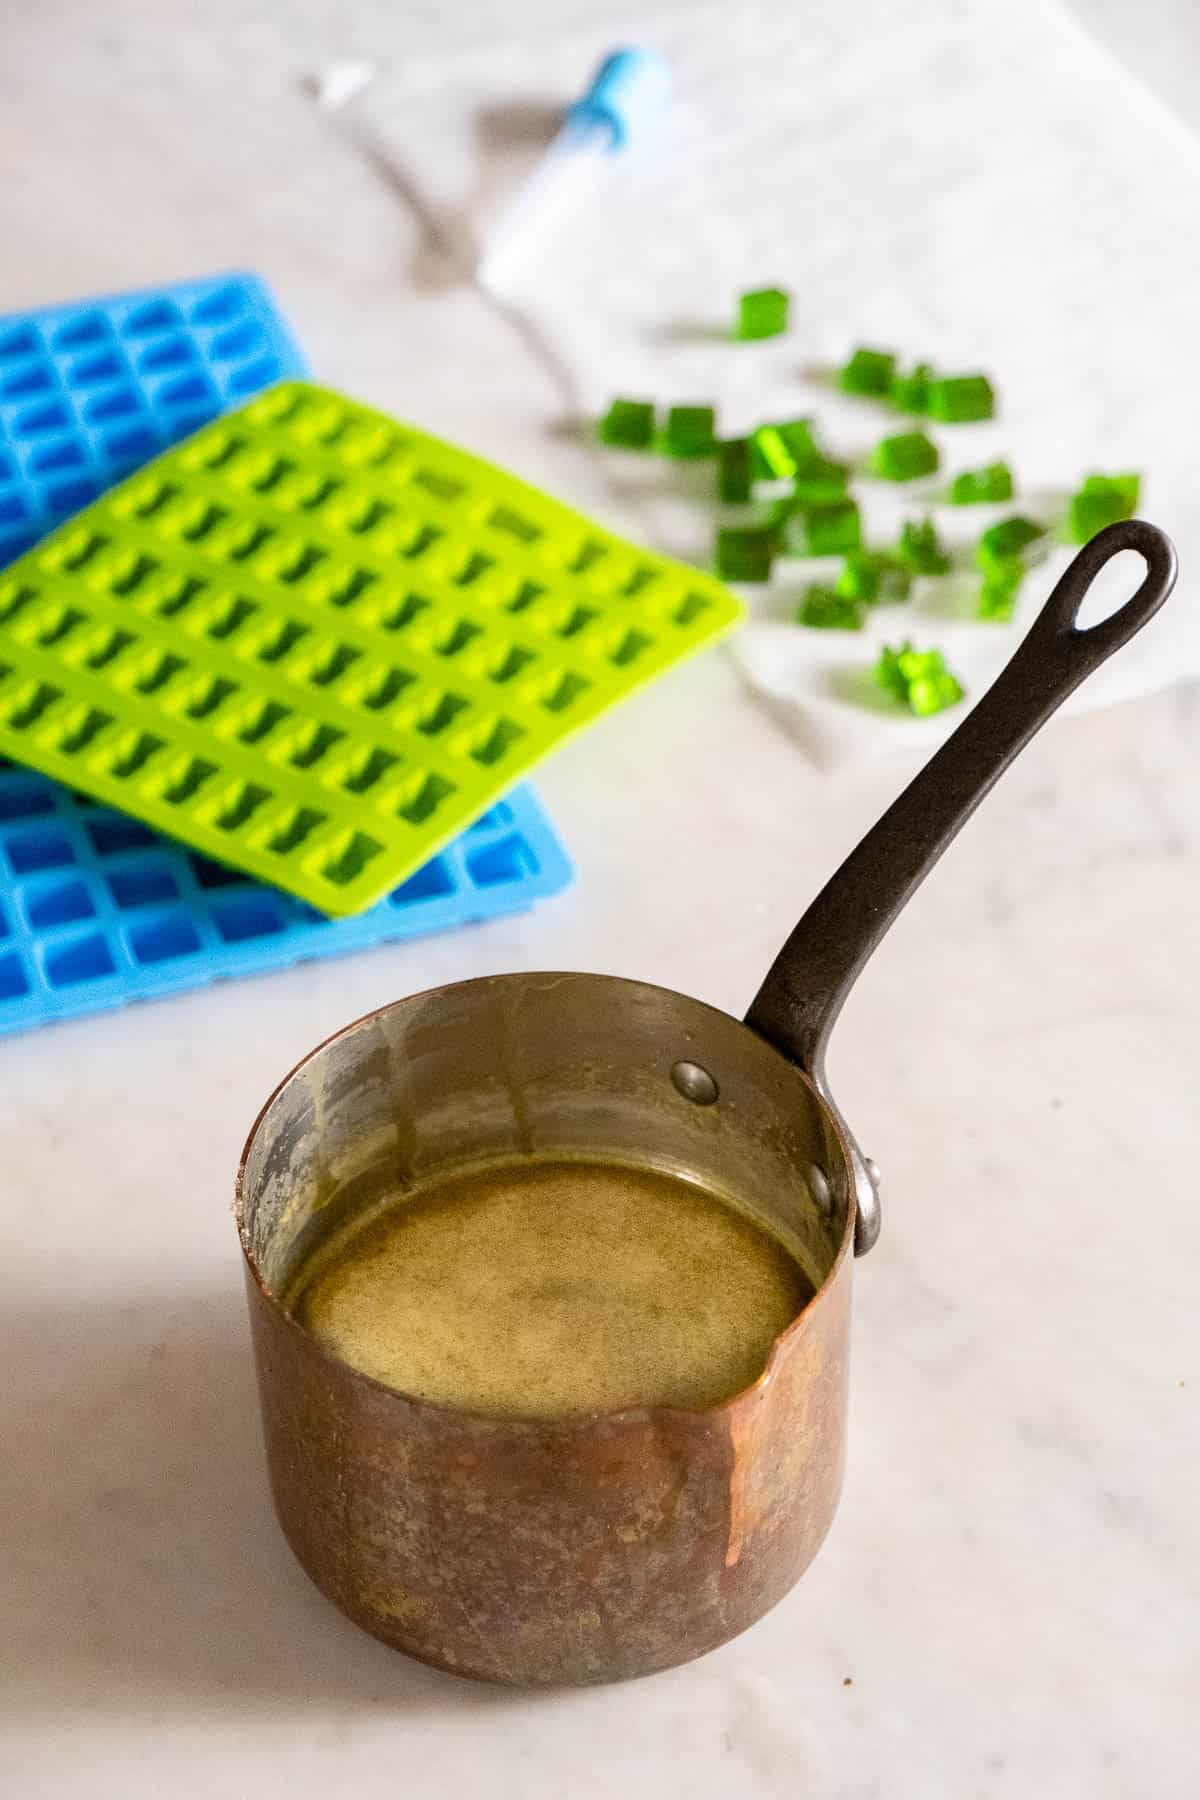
(1007, 1605)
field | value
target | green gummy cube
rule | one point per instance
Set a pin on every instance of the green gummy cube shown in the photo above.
(691, 431)
(827, 610)
(1010, 538)
(875, 579)
(628, 424)
(779, 514)
(918, 678)
(745, 555)
(910, 393)
(960, 399)
(734, 472)
(867, 372)
(818, 481)
(780, 449)
(999, 588)
(762, 313)
(905, 456)
(920, 548)
(1101, 501)
(824, 530)
(979, 487)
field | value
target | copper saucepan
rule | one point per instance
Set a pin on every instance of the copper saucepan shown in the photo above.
(591, 1548)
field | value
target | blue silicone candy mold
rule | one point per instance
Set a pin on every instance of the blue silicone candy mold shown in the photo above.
(91, 391)
(97, 910)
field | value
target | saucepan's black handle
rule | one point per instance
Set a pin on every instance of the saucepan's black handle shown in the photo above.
(803, 993)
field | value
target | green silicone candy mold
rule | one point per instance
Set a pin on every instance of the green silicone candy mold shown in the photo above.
(315, 643)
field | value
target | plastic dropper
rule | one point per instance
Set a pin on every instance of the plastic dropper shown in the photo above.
(629, 89)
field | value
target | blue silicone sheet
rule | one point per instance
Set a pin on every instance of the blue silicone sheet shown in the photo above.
(96, 909)
(91, 391)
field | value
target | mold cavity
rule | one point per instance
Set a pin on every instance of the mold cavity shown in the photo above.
(209, 697)
(77, 333)
(388, 688)
(296, 831)
(263, 721)
(231, 617)
(45, 847)
(242, 806)
(505, 519)
(13, 980)
(249, 916)
(410, 608)
(442, 713)
(155, 315)
(334, 665)
(211, 874)
(83, 732)
(348, 862)
(63, 904)
(160, 672)
(508, 860)
(429, 883)
(132, 757)
(442, 487)
(629, 649)
(87, 959)
(283, 642)
(566, 689)
(185, 785)
(114, 833)
(142, 886)
(369, 770)
(352, 588)
(425, 799)
(159, 939)
(316, 743)
(497, 742)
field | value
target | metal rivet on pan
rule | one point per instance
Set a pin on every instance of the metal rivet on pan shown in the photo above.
(818, 1187)
(694, 1083)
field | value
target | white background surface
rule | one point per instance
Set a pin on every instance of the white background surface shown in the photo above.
(1011, 1584)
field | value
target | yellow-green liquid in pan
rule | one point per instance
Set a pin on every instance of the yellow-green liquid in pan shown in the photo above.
(555, 1289)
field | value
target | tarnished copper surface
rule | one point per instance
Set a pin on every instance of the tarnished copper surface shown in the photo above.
(530, 1552)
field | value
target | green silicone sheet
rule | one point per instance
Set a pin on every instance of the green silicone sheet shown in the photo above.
(315, 643)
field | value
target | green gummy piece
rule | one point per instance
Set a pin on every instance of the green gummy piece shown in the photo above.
(824, 530)
(745, 554)
(875, 579)
(780, 512)
(780, 449)
(818, 481)
(734, 471)
(691, 431)
(920, 548)
(289, 734)
(918, 678)
(905, 456)
(933, 693)
(999, 588)
(1101, 501)
(961, 399)
(979, 487)
(910, 393)
(628, 424)
(1011, 537)
(868, 372)
(762, 313)
(826, 610)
